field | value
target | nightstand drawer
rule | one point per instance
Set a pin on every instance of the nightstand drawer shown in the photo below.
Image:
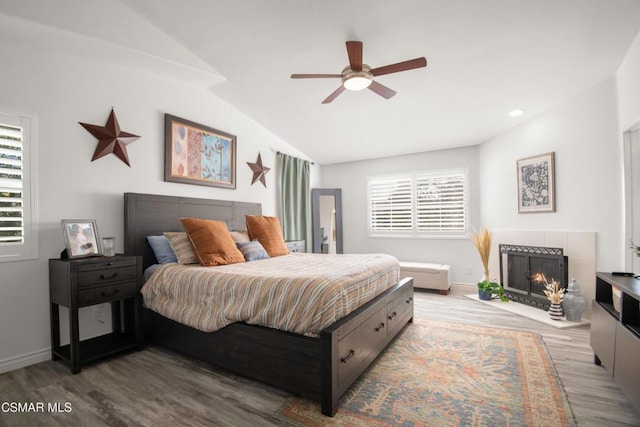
(99, 294)
(107, 275)
(101, 263)
(295, 245)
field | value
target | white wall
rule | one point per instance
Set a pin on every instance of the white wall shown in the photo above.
(628, 90)
(352, 179)
(583, 133)
(628, 87)
(62, 88)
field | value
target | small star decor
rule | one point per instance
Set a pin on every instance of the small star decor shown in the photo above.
(259, 171)
(111, 139)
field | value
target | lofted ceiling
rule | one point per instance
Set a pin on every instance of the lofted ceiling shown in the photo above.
(485, 58)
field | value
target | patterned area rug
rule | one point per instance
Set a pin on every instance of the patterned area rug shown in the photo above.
(448, 374)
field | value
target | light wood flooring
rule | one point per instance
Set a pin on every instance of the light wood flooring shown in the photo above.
(155, 387)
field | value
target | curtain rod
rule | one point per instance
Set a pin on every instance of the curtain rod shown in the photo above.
(280, 154)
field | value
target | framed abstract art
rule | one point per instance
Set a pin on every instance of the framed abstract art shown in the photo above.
(198, 154)
(536, 184)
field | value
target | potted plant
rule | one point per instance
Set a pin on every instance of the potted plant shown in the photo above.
(487, 289)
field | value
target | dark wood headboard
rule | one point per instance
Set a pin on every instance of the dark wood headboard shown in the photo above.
(151, 215)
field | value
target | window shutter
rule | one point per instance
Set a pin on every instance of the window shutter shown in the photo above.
(440, 202)
(11, 185)
(390, 204)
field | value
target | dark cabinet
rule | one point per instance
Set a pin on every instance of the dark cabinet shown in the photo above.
(82, 282)
(615, 331)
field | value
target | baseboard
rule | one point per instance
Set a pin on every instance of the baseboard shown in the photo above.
(465, 285)
(23, 360)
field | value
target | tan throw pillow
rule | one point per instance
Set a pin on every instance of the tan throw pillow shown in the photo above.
(267, 230)
(182, 247)
(212, 242)
(240, 236)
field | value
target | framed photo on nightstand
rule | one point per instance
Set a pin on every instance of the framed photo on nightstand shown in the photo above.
(81, 238)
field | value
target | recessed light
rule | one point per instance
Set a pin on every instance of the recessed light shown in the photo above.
(516, 113)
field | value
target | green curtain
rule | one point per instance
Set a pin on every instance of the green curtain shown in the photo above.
(296, 199)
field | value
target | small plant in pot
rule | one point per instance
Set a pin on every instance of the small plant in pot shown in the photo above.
(487, 290)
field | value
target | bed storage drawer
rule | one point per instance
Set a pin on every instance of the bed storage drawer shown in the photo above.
(357, 347)
(400, 309)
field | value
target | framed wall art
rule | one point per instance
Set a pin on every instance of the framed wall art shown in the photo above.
(198, 154)
(81, 238)
(536, 184)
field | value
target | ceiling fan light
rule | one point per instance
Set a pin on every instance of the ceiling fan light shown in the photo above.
(357, 80)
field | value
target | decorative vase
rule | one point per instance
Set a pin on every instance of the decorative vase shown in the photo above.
(573, 303)
(484, 295)
(555, 311)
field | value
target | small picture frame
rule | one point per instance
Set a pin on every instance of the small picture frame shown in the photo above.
(536, 184)
(81, 238)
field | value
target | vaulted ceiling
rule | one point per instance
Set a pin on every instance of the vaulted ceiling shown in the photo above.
(485, 58)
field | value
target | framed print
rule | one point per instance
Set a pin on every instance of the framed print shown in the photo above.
(81, 237)
(536, 184)
(197, 154)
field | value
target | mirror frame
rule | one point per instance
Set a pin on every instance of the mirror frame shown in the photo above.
(315, 208)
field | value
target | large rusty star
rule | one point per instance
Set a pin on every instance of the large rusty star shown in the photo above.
(259, 171)
(111, 139)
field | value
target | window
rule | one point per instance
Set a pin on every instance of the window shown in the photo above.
(18, 239)
(420, 204)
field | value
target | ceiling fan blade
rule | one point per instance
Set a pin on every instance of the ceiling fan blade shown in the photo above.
(400, 66)
(334, 95)
(314, 76)
(354, 50)
(382, 90)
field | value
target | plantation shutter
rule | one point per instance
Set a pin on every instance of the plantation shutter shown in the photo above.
(390, 204)
(441, 202)
(12, 228)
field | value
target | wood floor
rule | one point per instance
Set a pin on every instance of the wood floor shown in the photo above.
(157, 388)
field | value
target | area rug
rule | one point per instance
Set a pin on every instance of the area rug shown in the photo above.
(448, 374)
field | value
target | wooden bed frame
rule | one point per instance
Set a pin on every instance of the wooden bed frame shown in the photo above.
(321, 368)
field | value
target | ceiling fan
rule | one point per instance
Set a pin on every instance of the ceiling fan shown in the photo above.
(358, 76)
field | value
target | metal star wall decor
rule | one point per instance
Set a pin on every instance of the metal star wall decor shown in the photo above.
(111, 139)
(259, 171)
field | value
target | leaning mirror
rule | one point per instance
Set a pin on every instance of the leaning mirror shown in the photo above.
(326, 205)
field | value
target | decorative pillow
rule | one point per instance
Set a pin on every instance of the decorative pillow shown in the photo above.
(162, 249)
(212, 242)
(182, 247)
(252, 251)
(267, 230)
(240, 236)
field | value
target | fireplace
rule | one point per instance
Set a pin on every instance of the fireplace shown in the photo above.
(524, 271)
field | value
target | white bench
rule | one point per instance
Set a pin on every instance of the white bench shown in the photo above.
(427, 276)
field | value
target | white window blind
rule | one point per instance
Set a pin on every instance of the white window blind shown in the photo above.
(441, 202)
(11, 206)
(419, 204)
(390, 202)
(17, 239)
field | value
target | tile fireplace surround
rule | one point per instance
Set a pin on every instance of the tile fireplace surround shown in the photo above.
(578, 246)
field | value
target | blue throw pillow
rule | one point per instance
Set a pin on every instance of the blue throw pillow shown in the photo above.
(162, 249)
(252, 251)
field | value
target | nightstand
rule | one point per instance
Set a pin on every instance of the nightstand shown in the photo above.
(295, 245)
(82, 282)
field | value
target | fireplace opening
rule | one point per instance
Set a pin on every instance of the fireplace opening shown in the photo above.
(525, 271)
